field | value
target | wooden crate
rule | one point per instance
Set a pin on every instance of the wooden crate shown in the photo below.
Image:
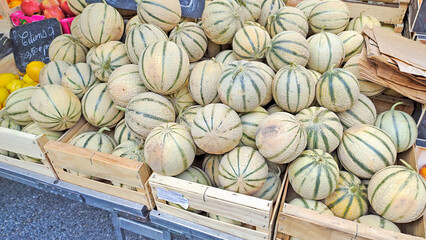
(384, 103)
(65, 158)
(307, 224)
(258, 215)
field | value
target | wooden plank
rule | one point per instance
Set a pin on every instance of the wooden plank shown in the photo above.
(33, 167)
(384, 103)
(391, 15)
(80, 127)
(22, 143)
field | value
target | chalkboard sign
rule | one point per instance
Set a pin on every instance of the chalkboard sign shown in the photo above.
(5, 46)
(31, 41)
(122, 4)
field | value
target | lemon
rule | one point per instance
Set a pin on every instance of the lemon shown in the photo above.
(5, 78)
(3, 95)
(14, 85)
(27, 79)
(33, 69)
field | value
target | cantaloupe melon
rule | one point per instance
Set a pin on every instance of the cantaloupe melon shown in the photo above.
(62, 46)
(306, 6)
(274, 108)
(268, 75)
(225, 57)
(97, 141)
(76, 32)
(16, 105)
(251, 121)
(186, 117)
(378, 222)
(250, 43)
(251, 9)
(108, 57)
(352, 43)
(192, 38)
(131, 149)
(6, 122)
(288, 19)
(52, 73)
(77, 6)
(362, 112)
(358, 23)
(210, 166)
(325, 50)
(133, 22)
(224, 219)
(329, 15)
(269, 190)
(267, 8)
(317, 206)
(181, 99)
(164, 14)
(90, 54)
(79, 78)
(122, 133)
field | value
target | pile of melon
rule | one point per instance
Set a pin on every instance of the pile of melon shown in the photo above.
(228, 99)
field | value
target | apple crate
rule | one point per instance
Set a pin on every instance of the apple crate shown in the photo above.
(103, 168)
(307, 224)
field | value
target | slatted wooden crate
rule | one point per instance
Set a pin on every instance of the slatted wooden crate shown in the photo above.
(307, 224)
(384, 103)
(258, 215)
(102, 168)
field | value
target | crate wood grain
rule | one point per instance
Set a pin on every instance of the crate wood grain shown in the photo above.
(384, 103)
(258, 215)
(66, 158)
(307, 224)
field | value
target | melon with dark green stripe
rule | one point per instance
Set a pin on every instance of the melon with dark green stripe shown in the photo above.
(293, 88)
(288, 19)
(306, 6)
(325, 50)
(164, 14)
(251, 121)
(79, 78)
(352, 43)
(203, 81)
(323, 127)
(349, 201)
(210, 166)
(400, 126)
(398, 193)
(108, 57)
(314, 174)
(6, 122)
(124, 83)
(97, 141)
(250, 43)
(169, 149)
(365, 149)
(68, 49)
(111, 24)
(337, 90)
(224, 219)
(131, 149)
(243, 170)
(216, 129)
(287, 47)
(268, 75)
(283, 128)
(242, 86)
(140, 38)
(146, 111)
(181, 99)
(122, 133)
(269, 190)
(16, 105)
(133, 22)
(225, 57)
(274, 108)
(250, 9)
(186, 117)
(376, 221)
(267, 8)
(54, 108)
(76, 32)
(90, 54)
(77, 6)
(317, 206)
(330, 16)
(362, 112)
(192, 38)
(164, 67)
(358, 23)
(52, 73)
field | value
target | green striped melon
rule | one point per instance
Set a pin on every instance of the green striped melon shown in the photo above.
(108, 57)
(313, 205)
(293, 88)
(35, 129)
(250, 9)
(314, 174)
(274, 108)
(225, 57)
(267, 8)
(216, 129)
(192, 38)
(146, 111)
(164, 67)
(337, 90)
(243, 170)
(352, 43)
(269, 190)
(349, 201)
(242, 86)
(268, 75)
(122, 133)
(96, 141)
(54, 108)
(164, 14)
(306, 6)
(288, 19)
(90, 54)
(52, 73)
(357, 24)
(196, 175)
(375, 221)
(315, 74)
(251, 121)
(398, 193)
(68, 49)
(325, 50)
(111, 26)
(186, 117)
(400, 126)
(8, 123)
(16, 105)
(362, 112)
(221, 20)
(254, 24)
(76, 32)
(365, 149)
(99, 109)
(323, 127)
(133, 22)
(181, 99)
(79, 78)
(224, 219)
(169, 149)
(286, 48)
(250, 43)
(210, 166)
(77, 6)
(140, 38)
(124, 83)
(283, 128)
(203, 81)
(131, 149)
(330, 16)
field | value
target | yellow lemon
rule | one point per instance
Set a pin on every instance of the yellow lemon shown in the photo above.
(5, 78)
(27, 79)
(33, 69)
(14, 85)
(3, 95)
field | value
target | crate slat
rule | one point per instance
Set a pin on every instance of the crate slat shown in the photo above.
(385, 14)
(22, 143)
(43, 169)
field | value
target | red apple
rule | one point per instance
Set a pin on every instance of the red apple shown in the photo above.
(64, 6)
(48, 3)
(30, 7)
(54, 12)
